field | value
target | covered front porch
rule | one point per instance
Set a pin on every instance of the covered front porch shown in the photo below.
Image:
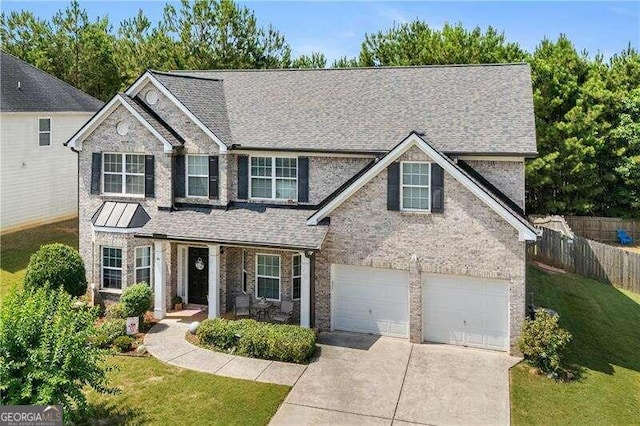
(214, 260)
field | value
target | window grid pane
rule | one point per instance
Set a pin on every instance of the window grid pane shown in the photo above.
(143, 275)
(268, 276)
(415, 186)
(112, 163)
(287, 189)
(261, 166)
(261, 188)
(296, 288)
(143, 256)
(44, 124)
(112, 183)
(197, 187)
(111, 267)
(415, 198)
(44, 139)
(134, 164)
(198, 165)
(269, 288)
(135, 184)
(287, 167)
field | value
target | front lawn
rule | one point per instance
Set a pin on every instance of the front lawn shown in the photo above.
(156, 393)
(150, 392)
(605, 323)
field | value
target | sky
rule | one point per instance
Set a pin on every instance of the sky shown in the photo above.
(338, 28)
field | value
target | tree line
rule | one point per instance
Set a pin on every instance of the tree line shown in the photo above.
(587, 109)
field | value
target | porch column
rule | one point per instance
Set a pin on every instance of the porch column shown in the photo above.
(305, 291)
(159, 278)
(214, 280)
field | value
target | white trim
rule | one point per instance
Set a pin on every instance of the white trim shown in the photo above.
(123, 174)
(121, 269)
(148, 76)
(186, 172)
(293, 276)
(524, 232)
(115, 230)
(136, 267)
(49, 132)
(76, 141)
(402, 185)
(471, 157)
(271, 277)
(301, 153)
(273, 178)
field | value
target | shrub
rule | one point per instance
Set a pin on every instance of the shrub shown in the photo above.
(45, 351)
(56, 265)
(123, 343)
(543, 341)
(136, 299)
(279, 342)
(116, 310)
(113, 329)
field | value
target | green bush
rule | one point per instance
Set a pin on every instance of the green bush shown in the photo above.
(116, 311)
(123, 343)
(46, 355)
(113, 329)
(136, 299)
(56, 265)
(247, 337)
(543, 342)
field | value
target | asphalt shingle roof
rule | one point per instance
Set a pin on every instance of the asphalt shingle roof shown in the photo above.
(460, 109)
(38, 91)
(156, 122)
(269, 227)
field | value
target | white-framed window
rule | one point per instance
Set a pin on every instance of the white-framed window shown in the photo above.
(143, 265)
(268, 276)
(245, 274)
(274, 178)
(197, 176)
(44, 131)
(296, 276)
(415, 192)
(112, 268)
(123, 173)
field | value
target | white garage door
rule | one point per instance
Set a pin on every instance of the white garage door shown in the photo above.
(466, 311)
(370, 300)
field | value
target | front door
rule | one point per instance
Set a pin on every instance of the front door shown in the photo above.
(198, 275)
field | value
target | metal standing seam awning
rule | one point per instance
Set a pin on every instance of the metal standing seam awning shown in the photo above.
(120, 215)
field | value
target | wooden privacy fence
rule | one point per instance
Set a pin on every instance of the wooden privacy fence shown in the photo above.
(588, 258)
(603, 228)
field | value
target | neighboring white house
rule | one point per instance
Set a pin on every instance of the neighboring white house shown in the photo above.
(38, 174)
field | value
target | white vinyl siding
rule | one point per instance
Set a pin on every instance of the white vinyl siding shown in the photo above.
(54, 168)
(197, 176)
(415, 194)
(123, 173)
(268, 277)
(273, 178)
(111, 268)
(143, 265)
(44, 132)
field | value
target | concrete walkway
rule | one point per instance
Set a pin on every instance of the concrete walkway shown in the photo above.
(166, 341)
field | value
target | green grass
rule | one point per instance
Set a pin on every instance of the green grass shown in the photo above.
(605, 323)
(156, 393)
(150, 392)
(16, 249)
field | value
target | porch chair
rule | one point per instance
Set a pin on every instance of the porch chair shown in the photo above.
(242, 307)
(285, 313)
(624, 237)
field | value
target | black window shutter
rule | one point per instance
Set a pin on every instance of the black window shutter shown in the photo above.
(393, 186)
(179, 177)
(437, 188)
(214, 170)
(96, 171)
(149, 176)
(303, 179)
(243, 177)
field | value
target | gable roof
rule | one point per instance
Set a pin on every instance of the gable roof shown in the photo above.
(144, 115)
(25, 88)
(481, 109)
(203, 94)
(526, 231)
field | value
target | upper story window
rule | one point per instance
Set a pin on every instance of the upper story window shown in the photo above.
(123, 174)
(274, 178)
(415, 194)
(197, 176)
(44, 131)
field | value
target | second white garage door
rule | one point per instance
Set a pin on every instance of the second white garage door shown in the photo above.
(370, 300)
(466, 311)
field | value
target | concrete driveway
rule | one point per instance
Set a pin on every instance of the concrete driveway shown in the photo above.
(362, 379)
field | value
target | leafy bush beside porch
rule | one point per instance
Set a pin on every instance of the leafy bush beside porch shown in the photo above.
(280, 342)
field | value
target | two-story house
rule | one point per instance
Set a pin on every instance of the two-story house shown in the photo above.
(386, 201)
(38, 174)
